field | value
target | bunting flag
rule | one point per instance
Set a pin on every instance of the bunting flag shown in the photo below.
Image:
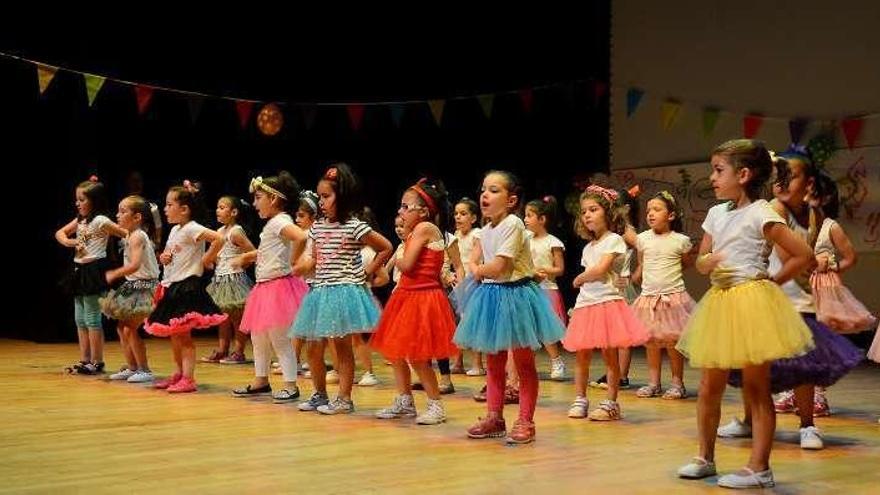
(310, 115)
(796, 129)
(195, 104)
(45, 74)
(486, 102)
(437, 110)
(526, 97)
(710, 119)
(633, 97)
(244, 109)
(751, 124)
(93, 86)
(143, 94)
(670, 112)
(852, 128)
(397, 111)
(355, 116)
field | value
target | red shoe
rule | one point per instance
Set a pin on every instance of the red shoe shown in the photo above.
(523, 431)
(184, 385)
(171, 380)
(820, 404)
(488, 427)
(784, 403)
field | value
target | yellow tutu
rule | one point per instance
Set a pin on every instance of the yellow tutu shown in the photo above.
(750, 323)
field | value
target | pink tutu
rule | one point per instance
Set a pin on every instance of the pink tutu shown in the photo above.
(874, 351)
(557, 304)
(273, 304)
(836, 306)
(604, 325)
(665, 316)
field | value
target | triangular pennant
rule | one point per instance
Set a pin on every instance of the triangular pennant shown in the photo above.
(751, 124)
(355, 116)
(143, 94)
(710, 118)
(526, 96)
(45, 74)
(397, 111)
(437, 109)
(796, 128)
(486, 102)
(244, 109)
(309, 114)
(195, 104)
(633, 97)
(670, 110)
(600, 88)
(852, 127)
(93, 86)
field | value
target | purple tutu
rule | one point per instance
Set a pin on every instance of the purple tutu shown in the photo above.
(832, 358)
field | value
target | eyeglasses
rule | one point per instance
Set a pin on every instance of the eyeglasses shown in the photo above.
(406, 207)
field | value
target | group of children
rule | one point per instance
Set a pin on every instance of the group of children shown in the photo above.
(492, 290)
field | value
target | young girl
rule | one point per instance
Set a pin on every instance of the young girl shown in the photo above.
(601, 318)
(467, 215)
(132, 302)
(417, 324)
(506, 310)
(359, 342)
(744, 321)
(90, 230)
(664, 305)
(339, 303)
(230, 285)
(183, 304)
(304, 266)
(273, 303)
(547, 257)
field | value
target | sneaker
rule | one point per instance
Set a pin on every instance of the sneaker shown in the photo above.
(602, 383)
(623, 384)
(76, 368)
(183, 386)
(735, 429)
(608, 410)
(337, 406)
(476, 372)
(579, 407)
(820, 404)
(368, 380)
(123, 374)
(215, 357)
(236, 358)
(698, 468)
(402, 407)
(523, 432)
(303, 366)
(141, 376)
(747, 478)
(784, 402)
(446, 388)
(251, 391)
(488, 427)
(480, 396)
(649, 391)
(286, 395)
(811, 438)
(171, 380)
(557, 369)
(91, 369)
(315, 401)
(434, 415)
(332, 377)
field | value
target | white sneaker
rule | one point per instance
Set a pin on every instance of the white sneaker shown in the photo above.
(475, 372)
(748, 479)
(368, 380)
(579, 408)
(141, 376)
(402, 407)
(557, 369)
(435, 414)
(811, 438)
(698, 468)
(332, 377)
(337, 406)
(123, 374)
(735, 429)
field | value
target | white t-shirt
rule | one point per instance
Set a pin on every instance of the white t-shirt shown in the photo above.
(186, 253)
(149, 269)
(600, 291)
(273, 255)
(738, 237)
(824, 244)
(466, 244)
(367, 257)
(800, 299)
(307, 253)
(229, 251)
(661, 261)
(542, 256)
(508, 239)
(91, 239)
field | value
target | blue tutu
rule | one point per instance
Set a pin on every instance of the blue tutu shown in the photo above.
(335, 311)
(496, 317)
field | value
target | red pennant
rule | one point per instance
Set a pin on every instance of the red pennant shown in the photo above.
(244, 109)
(355, 116)
(143, 94)
(852, 128)
(751, 124)
(599, 89)
(526, 96)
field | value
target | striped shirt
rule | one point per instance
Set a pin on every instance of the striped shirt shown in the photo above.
(337, 249)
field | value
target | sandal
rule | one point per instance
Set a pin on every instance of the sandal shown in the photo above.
(649, 391)
(675, 392)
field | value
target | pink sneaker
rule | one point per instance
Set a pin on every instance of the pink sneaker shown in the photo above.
(784, 403)
(820, 404)
(171, 380)
(184, 385)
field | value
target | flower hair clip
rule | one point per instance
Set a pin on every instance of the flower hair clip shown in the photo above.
(189, 186)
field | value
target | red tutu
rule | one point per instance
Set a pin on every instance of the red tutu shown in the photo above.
(416, 325)
(604, 325)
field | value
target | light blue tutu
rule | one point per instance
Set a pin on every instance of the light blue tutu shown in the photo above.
(335, 311)
(496, 317)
